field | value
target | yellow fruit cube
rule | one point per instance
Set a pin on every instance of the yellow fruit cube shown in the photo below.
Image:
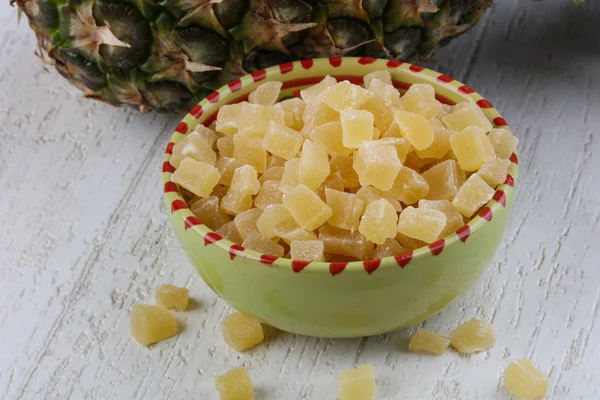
(307, 208)
(388, 93)
(207, 134)
(420, 99)
(312, 92)
(415, 128)
(390, 247)
(494, 171)
(424, 341)
(343, 165)
(382, 111)
(276, 161)
(229, 231)
(347, 209)
(292, 113)
(334, 181)
(265, 94)
(307, 250)
(377, 165)
(235, 385)
(330, 136)
(370, 194)
(196, 176)
(379, 221)
(245, 180)
(225, 146)
(209, 212)
(413, 161)
(193, 146)
(313, 168)
(170, 296)
(290, 231)
(402, 146)
(235, 202)
(357, 127)
(473, 336)
(409, 187)
(444, 180)
(346, 243)
(257, 242)
(316, 114)
(344, 95)
(281, 141)
(289, 179)
(454, 219)
(249, 150)
(524, 381)
(421, 224)
(219, 191)
(503, 142)
(272, 174)
(151, 324)
(410, 243)
(268, 194)
(441, 141)
(241, 331)
(358, 383)
(464, 115)
(472, 195)
(383, 76)
(273, 215)
(227, 167)
(246, 222)
(254, 119)
(227, 119)
(472, 148)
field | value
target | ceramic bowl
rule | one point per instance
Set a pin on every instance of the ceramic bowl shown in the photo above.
(340, 299)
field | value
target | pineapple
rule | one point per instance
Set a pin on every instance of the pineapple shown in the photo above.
(170, 54)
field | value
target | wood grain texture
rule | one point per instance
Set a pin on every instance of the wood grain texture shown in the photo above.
(84, 236)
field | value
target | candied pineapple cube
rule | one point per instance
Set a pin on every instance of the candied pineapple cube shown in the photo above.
(249, 150)
(358, 383)
(383, 76)
(273, 215)
(246, 222)
(254, 119)
(227, 119)
(207, 134)
(225, 146)
(312, 92)
(388, 93)
(390, 247)
(473, 336)
(289, 179)
(413, 161)
(344, 95)
(402, 145)
(444, 180)
(307, 208)
(472, 148)
(409, 187)
(209, 212)
(313, 168)
(347, 209)
(290, 230)
(503, 142)
(409, 243)
(424, 341)
(292, 112)
(524, 381)
(330, 136)
(282, 141)
(219, 191)
(415, 128)
(472, 195)
(196, 176)
(193, 146)
(257, 242)
(357, 127)
(334, 181)
(421, 224)
(420, 99)
(307, 250)
(378, 223)
(343, 165)
(382, 111)
(236, 201)
(235, 384)
(245, 180)
(316, 114)
(151, 324)
(454, 219)
(265, 94)
(464, 115)
(370, 194)
(268, 194)
(272, 174)
(170, 296)
(346, 243)
(441, 141)
(227, 167)
(230, 232)
(241, 331)
(276, 161)
(494, 171)
(376, 164)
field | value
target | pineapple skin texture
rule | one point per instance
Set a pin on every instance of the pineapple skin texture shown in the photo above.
(169, 55)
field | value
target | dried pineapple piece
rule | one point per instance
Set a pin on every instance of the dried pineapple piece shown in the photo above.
(454, 219)
(444, 180)
(424, 341)
(194, 146)
(151, 324)
(421, 224)
(330, 136)
(235, 384)
(312, 92)
(524, 381)
(377, 165)
(289, 179)
(292, 113)
(357, 127)
(472, 148)
(265, 94)
(227, 119)
(307, 208)
(307, 250)
(473, 194)
(257, 242)
(268, 194)
(196, 176)
(409, 187)
(273, 216)
(390, 247)
(347, 209)
(208, 210)
(415, 128)
(420, 99)
(465, 115)
(346, 243)
(249, 150)
(343, 165)
(282, 141)
(246, 222)
(344, 95)
(473, 336)
(358, 383)
(503, 142)
(254, 119)
(313, 168)
(170, 296)
(378, 222)
(241, 331)
(494, 171)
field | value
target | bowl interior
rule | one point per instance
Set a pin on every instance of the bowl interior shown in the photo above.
(301, 74)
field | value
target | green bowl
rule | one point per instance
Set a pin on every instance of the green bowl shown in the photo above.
(340, 299)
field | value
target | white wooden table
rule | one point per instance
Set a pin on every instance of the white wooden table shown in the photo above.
(83, 236)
